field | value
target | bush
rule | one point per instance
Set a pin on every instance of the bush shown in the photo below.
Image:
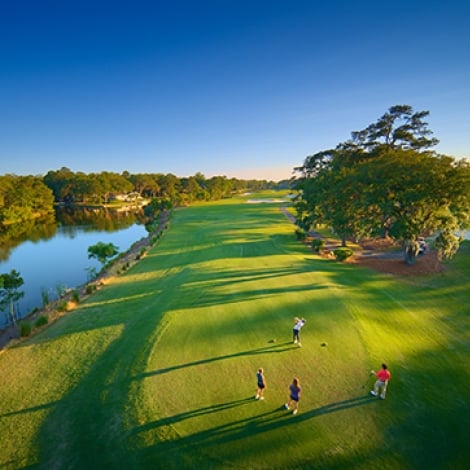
(317, 245)
(25, 328)
(62, 306)
(40, 321)
(76, 296)
(90, 288)
(342, 253)
(300, 234)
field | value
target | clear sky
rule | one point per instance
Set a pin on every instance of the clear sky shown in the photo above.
(241, 88)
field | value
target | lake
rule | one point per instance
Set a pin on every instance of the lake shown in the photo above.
(47, 265)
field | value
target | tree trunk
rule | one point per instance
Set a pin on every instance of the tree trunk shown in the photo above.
(12, 312)
(410, 251)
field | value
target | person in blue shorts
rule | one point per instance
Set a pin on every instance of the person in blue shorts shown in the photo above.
(261, 384)
(295, 390)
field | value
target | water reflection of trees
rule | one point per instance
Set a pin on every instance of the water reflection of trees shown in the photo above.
(69, 220)
(97, 218)
(29, 230)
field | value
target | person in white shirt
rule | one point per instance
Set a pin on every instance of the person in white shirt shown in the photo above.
(298, 324)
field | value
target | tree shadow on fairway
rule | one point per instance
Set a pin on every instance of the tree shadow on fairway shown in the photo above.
(276, 348)
(239, 430)
(341, 405)
(192, 414)
(32, 409)
(262, 422)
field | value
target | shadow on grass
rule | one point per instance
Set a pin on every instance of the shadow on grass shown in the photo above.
(192, 414)
(277, 348)
(32, 409)
(240, 429)
(86, 427)
(342, 405)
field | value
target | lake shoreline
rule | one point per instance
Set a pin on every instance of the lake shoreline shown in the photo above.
(11, 335)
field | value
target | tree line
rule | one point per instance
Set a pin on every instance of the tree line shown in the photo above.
(385, 181)
(25, 198)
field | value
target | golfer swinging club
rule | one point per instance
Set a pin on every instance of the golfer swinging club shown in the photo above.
(298, 324)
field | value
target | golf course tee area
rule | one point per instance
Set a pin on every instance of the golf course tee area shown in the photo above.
(158, 368)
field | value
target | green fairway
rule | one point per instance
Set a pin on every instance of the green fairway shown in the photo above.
(158, 369)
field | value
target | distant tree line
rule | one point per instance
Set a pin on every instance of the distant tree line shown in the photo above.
(386, 182)
(70, 187)
(25, 198)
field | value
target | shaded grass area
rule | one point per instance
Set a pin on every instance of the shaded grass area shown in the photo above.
(158, 369)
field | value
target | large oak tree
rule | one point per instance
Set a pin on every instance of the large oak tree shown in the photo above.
(385, 181)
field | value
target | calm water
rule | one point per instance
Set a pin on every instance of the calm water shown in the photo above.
(46, 265)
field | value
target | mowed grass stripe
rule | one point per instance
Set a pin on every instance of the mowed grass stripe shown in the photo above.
(158, 368)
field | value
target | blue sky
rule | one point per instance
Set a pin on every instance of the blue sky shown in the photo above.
(245, 89)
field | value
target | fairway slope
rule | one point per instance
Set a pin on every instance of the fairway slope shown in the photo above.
(158, 369)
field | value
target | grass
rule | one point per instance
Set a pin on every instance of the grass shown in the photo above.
(158, 369)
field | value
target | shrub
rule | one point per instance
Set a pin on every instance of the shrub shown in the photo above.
(90, 288)
(342, 253)
(62, 306)
(40, 321)
(318, 244)
(300, 234)
(25, 328)
(76, 296)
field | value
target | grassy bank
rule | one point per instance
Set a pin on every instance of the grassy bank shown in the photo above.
(158, 369)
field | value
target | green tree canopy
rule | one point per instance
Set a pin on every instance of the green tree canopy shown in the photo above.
(385, 182)
(23, 198)
(102, 251)
(399, 128)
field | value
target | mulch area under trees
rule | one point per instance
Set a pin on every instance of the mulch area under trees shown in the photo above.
(427, 263)
(385, 256)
